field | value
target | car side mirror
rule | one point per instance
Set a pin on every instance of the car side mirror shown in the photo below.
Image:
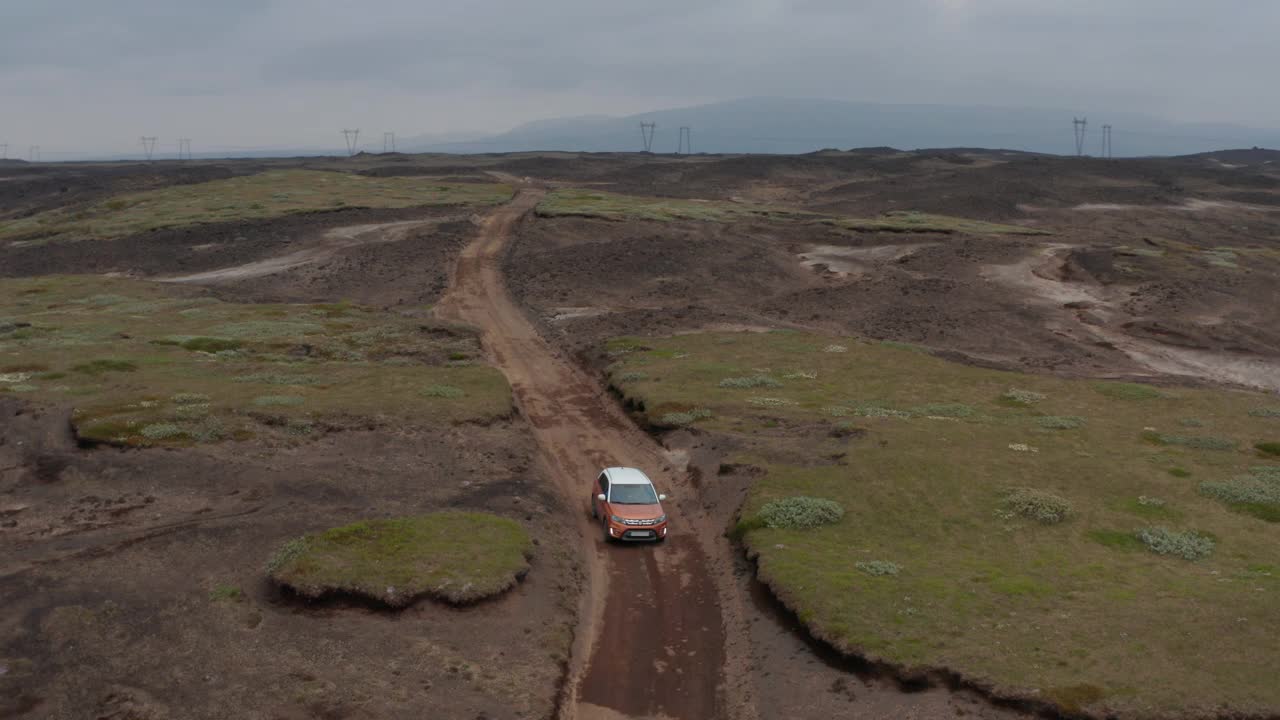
(662, 497)
(600, 497)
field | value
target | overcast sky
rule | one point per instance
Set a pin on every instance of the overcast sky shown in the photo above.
(93, 75)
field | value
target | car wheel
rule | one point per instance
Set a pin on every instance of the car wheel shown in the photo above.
(594, 515)
(605, 532)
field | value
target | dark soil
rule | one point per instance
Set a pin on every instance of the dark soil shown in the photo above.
(193, 248)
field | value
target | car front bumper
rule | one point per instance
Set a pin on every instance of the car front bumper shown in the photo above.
(638, 533)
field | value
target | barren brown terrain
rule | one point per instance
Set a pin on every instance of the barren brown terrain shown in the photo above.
(119, 563)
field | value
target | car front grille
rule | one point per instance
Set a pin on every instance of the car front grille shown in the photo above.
(627, 521)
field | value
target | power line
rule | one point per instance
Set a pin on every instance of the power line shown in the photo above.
(4, 151)
(353, 139)
(184, 148)
(388, 142)
(646, 134)
(1106, 141)
(148, 146)
(1080, 125)
(33, 153)
(685, 143)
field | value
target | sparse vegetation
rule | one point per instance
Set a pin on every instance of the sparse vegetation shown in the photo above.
(1265, 412)
(1128, 391)
(879, 568)
(226, 593)
(1058, 422)
(453, 556)
(754, 381)
(98, 367)
(1195, 442)
(245, 198)
(443, 391)
(947, 410)
(680, 419)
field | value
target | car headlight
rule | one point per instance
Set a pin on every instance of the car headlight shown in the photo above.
(616, 519)
(661, 519)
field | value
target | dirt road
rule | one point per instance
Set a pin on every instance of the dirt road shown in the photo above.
(651, 639)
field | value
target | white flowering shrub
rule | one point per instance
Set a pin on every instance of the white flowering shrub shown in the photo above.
(1022, 397)
(185, 398)
(161, 431)
(1261, 486)
(1033, 504)
(800, 512)
(754, 381)
(879, 567)
(278, 400)
(1187, 545)
(770, 402)
(1060, 422)
(835, 349)
(801, 375)
(1148, 501)
(877, 411)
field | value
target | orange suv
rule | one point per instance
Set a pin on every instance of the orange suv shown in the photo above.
(627, 506)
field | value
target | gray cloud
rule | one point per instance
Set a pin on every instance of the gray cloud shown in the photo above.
(90, 75)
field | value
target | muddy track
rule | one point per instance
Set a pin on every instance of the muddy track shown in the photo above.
(328, 245)
(653, 621)
(1034, 276)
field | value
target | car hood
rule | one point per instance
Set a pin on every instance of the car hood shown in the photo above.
(636, 512)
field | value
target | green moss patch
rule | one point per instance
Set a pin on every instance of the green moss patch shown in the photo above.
(572, 202)
(456, 557)
(231, 371)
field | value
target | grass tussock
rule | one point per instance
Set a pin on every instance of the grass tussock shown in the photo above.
(1128, 391)
(1195, 442)
(456, 557)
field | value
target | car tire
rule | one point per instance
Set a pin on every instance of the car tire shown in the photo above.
(604, 531)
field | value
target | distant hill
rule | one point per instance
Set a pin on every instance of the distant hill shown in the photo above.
(779, 125)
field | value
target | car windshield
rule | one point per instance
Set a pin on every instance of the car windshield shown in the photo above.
(633, 495)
